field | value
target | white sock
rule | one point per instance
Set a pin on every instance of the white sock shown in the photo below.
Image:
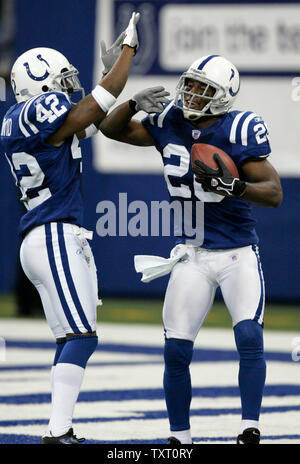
(246, 424)
(52, 382)
(52, 390)
(67, 379)
(184, 436)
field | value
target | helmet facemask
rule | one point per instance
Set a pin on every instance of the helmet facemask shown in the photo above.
(188, 98)
(67, 81)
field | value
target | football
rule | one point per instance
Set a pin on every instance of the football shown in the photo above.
(205, 153)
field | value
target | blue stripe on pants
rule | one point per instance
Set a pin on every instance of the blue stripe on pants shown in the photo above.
(55, 275)
(68, 275)
(262, 298)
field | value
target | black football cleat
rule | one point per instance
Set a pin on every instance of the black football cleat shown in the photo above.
(174, 441)
(67, 439)
(249, 436)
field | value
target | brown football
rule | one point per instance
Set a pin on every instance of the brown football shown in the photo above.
(205, 153)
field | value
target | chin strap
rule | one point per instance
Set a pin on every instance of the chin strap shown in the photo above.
(198, 116)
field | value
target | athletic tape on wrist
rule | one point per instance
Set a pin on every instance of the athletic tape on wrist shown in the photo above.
(104, 99)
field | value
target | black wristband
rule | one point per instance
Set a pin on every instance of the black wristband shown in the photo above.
(239, 188)
(132, 106)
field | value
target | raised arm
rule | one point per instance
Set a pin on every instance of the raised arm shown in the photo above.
(95, 105)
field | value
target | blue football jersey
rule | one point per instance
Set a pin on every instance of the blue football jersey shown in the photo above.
(49, 177)
(216, 222)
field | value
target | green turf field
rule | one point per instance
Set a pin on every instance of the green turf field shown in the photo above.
(277, 316)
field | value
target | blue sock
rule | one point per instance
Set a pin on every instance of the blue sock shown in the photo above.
(252, 372)
(67, 379)
(78, 349)
(177, 382)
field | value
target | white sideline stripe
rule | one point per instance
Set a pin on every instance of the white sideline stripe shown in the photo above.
(204, 426)
(216, 338)
(135, 407)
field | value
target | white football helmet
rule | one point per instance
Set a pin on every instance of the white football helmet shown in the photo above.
(42, 70)
(213, 71)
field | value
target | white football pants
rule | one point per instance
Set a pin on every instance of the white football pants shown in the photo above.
(58, 260)
(193, 282)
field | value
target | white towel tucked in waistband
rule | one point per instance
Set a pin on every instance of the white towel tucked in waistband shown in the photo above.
(153, 267)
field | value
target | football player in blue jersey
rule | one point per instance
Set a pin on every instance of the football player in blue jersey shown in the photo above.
(40, 135)
(227, 255)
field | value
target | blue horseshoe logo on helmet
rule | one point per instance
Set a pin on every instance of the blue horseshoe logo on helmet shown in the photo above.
(232, 93)
(37, 78)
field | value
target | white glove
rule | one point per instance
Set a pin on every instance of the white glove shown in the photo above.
(131, 38)
(151, 100)
(110, 56)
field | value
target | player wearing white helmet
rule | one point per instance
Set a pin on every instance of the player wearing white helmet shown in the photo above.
(40, 135)
(43, 70)
(220, 86)
(227, 254)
